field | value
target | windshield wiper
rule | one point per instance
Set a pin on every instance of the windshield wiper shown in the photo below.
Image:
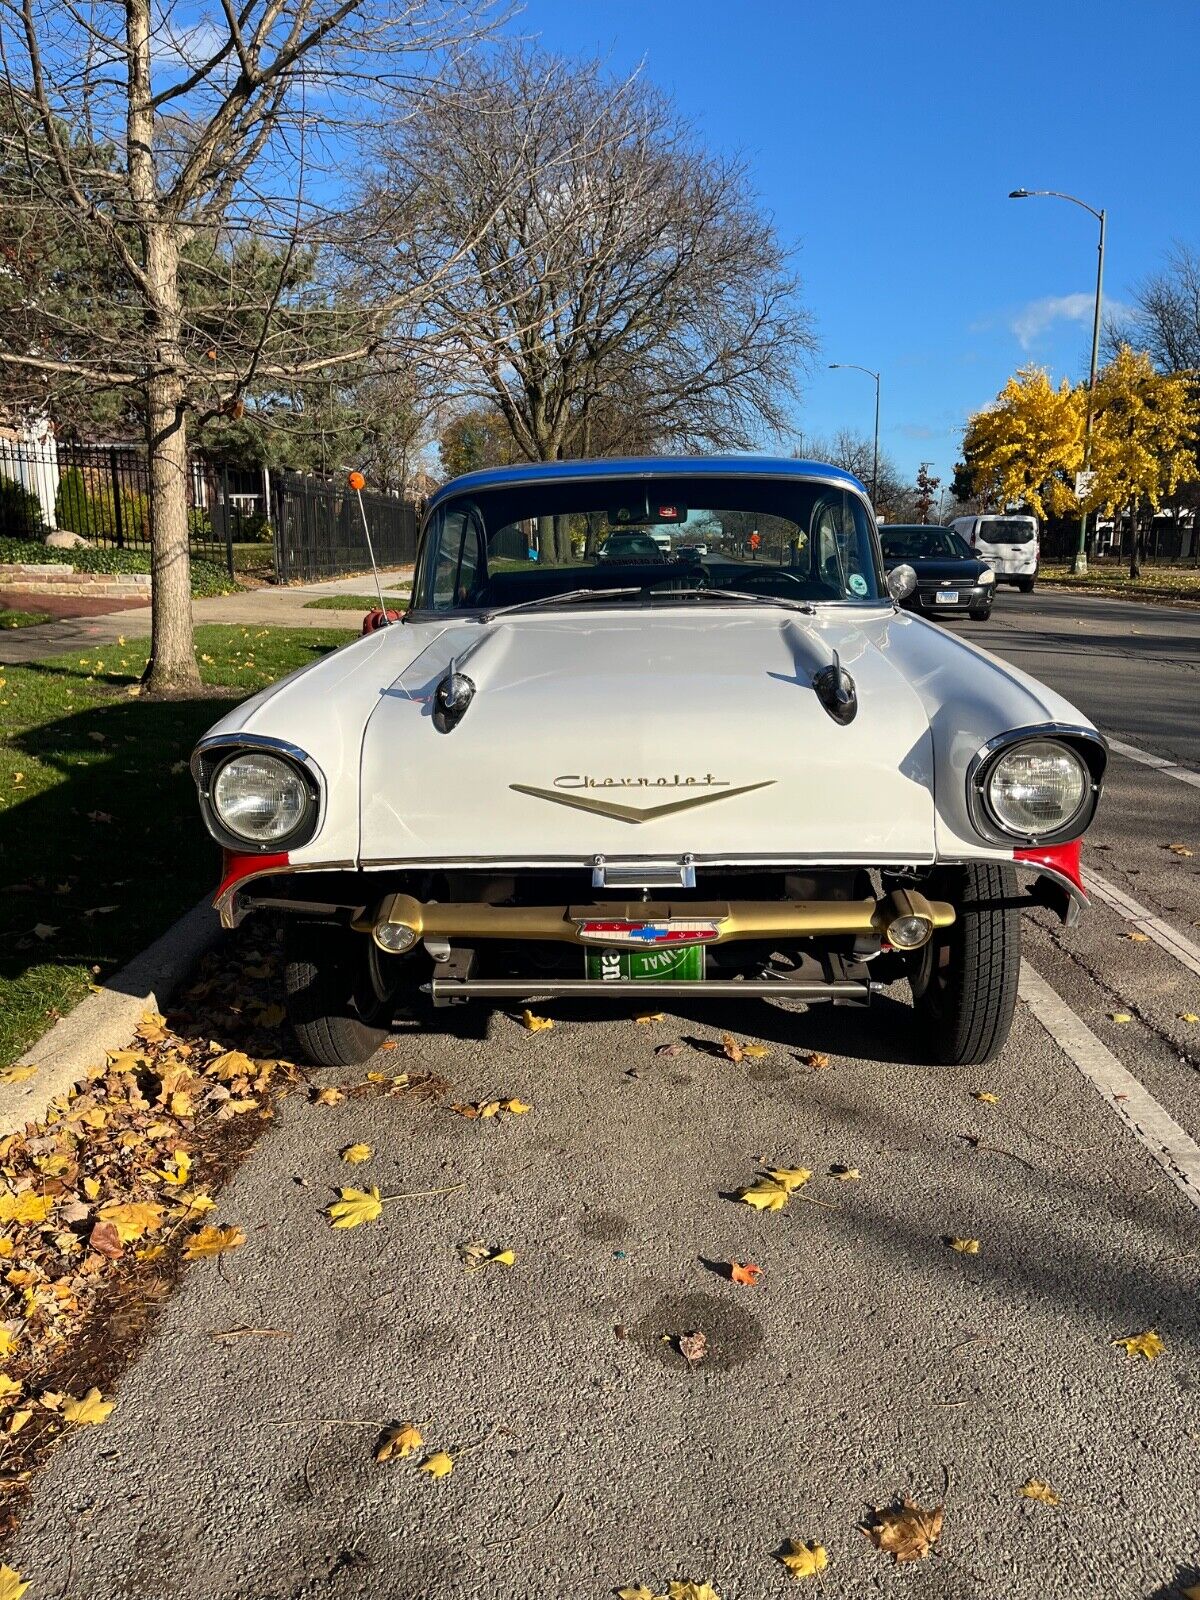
(566, 598)
(805, 606)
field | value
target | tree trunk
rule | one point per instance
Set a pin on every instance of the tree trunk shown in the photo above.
(172, 664)
(1135, 566)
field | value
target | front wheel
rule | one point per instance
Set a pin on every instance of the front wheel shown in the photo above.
(979, 613)
(341, 992)
(1025, 585)
(964, 982)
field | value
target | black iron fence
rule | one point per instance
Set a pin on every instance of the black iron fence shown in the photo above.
(102, 493)
(319, 530)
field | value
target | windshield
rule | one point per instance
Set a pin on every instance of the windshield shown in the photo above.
(783, 538)
(923, 544)
(1006, 530)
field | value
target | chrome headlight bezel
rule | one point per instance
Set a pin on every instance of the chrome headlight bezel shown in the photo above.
(208, 762)
(1084, 745)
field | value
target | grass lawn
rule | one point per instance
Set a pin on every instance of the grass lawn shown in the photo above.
(101, 845)
(354, 602)
(1179, 583)
(23, 619)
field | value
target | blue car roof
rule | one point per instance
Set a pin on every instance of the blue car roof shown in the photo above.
(645, 467)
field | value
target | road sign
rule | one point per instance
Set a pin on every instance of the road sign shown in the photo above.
(1085, 482)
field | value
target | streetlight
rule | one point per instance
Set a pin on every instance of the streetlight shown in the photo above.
(833, 367)
(1102, 218)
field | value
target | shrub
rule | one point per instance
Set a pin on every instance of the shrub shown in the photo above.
(20, 512)
(93, 512)
(208, 577)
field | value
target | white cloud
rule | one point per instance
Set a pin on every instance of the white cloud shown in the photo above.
(1038, 316)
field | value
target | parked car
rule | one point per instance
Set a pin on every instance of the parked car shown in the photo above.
(950, 580)
(632, 546)
(1009, 545)
(649, 780)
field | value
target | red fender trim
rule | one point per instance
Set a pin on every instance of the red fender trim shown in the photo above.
(236, 869)
(1060, 858)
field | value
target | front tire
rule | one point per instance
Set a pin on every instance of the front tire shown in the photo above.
(1026, 585)
(340, 991)
(964, 982)
(979, 613)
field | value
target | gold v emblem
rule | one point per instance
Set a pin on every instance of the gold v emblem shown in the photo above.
(610, 808)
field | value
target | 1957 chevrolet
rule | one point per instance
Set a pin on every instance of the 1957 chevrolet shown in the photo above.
(651, 728)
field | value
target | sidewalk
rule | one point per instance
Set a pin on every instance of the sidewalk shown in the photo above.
(257, 608)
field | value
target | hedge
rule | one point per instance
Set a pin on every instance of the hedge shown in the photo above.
(208, 578)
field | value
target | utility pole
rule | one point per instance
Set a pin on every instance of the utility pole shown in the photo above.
(835, 366)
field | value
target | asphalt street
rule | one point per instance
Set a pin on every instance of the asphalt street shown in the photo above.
(871, 1360)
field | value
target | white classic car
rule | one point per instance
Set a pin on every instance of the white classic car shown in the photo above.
(585, 766)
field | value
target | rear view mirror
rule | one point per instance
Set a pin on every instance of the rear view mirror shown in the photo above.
(901, 582)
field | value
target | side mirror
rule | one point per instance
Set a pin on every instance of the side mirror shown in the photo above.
(901, 582)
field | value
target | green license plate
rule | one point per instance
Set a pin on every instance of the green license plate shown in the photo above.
(684, 965)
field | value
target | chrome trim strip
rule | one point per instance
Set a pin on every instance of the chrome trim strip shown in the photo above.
(1079, 901)
(1094, 753)
(444, 989)
(226, 906)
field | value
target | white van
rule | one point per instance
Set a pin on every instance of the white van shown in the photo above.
(1009, 545)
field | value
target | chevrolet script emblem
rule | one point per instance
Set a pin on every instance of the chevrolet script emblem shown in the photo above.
(622, 813)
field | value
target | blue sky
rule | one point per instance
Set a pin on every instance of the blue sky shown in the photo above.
(884, 138)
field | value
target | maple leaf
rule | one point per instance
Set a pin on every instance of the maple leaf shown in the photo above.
(20, 1074)
(814, 1058)
(516, 1108)
(904, 1531)
(178, 1169)
(133, 1218)
(328, 1097)
(965, 1247)
(231, 1064)
(756, 1051)
(439, 1465)
(790, 1178)
(213, 1241)
(354, 1206)
(535, 1024)
(12, 1585)
(403, 1440)
(988, 1098)
(1036, 1489)
(693, 1347)
(731, 1048)
(1146, 1344)
(765, 1196)
(804, 1560)
(24, 1207)
(745, 1273)
(357, 1153)
(93, 1408)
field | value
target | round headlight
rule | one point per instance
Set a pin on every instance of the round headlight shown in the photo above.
(1037, 788)
(259, 797)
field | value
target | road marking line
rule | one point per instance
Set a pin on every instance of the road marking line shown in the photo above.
(1175, 1152)
(1170, 769)
(1164, 935)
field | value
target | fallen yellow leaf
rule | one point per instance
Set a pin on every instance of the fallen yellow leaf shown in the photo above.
(93, 1408)
(8, 1386)
(691, 1590)
(1188, 1016)
(328, 1097)
(133, 1219)
(517, 1108)
(17, 1421)
(12, 1585)
(24, 1207)
(1036, 1489)
(1146, 1344)
(504, 1258)
(535, 1024)
(904, 1531)
(438, 1465)
(651, 1016)
(1138, 938)
(178, 1168)
(845, 1174)
(790, 1178)
(213, 1241)
(403, 1440)
(988, 1098)
(757, 1051)
(965, 1247)
(1120, 1016)
(357, 1153)
(804, 1560)
(20, 1074)
(232, 1064)
(1179, 849)
(7, 1343)
(765, 1196)
(731, 1047)
(355, 1206)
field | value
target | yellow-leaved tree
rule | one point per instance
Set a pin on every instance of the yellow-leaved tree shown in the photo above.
(1144, 439)
(1027, 447)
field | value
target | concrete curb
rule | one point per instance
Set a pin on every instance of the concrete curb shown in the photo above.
(106, 1020)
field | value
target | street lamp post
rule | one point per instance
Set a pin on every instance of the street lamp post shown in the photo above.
(1102, 218)
(833, 367)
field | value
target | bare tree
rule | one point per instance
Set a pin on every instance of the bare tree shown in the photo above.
(161, 137)
(617, 284)
(1165, 319)
(855, 453)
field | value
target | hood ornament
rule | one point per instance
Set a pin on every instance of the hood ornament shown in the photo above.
(451, 698)
(835, 690)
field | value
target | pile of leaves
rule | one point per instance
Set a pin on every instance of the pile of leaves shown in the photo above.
(104, 1200)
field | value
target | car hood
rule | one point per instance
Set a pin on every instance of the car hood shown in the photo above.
(651, 733)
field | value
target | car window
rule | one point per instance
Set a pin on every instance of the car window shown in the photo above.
(792, 538)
